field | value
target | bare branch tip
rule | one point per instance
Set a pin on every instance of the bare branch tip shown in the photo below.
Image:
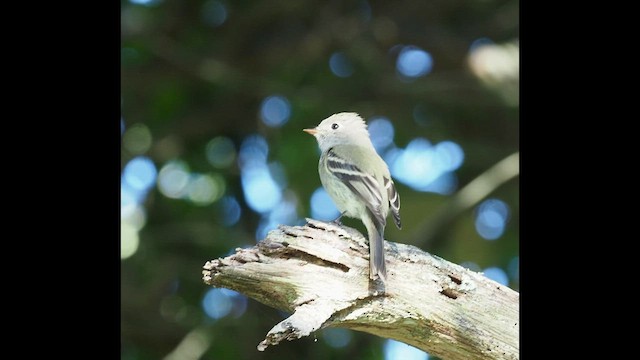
(209, 265)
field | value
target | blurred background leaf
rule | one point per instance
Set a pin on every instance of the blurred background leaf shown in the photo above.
(214, 97)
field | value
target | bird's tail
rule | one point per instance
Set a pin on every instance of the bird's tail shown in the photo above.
(376, 249)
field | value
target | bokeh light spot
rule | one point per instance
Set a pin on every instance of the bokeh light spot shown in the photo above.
(498, 67)
(231, 211)
(424, 167)
(394, 350)
(491, 218)
(275, 111)
(216, 303)
(254, 151)
(444, 184)
(137, 139)
(129, 240)
(322, 206)
(264, 227)
(221, 152)
(128, 200)
(340, 65)
(496, 274)
(261, 192)
(413, 165)
(145, 2)
(205, 189)
(134, 215)
(173, 179)
(414, 62)
(283, 213)
(214, 13)
(494, 63)
(336, 337)
(239, 302)
(450, 155)
(381, 132)
(140, 173)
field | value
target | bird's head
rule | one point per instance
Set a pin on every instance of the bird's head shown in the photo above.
(340, 129)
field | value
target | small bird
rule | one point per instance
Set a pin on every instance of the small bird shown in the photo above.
(358, 180)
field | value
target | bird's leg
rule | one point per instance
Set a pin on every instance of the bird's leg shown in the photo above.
(337, 220)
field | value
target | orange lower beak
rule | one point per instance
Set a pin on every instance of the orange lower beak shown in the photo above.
(310, 131)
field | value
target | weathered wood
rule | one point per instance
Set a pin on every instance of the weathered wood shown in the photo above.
(319, 272)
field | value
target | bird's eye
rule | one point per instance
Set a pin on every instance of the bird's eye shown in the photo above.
(334, 126)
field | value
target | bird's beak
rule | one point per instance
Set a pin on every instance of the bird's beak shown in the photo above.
(310, 131)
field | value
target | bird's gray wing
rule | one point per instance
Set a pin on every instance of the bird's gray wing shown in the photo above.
(394, 200)
(361, 183)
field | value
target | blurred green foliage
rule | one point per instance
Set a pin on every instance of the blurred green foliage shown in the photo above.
(190, 77)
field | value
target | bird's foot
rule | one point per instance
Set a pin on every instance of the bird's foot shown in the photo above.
(337, 220)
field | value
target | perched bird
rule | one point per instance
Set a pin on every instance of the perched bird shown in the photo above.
(358, 180)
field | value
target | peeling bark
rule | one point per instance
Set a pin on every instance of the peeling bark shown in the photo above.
(319, 272)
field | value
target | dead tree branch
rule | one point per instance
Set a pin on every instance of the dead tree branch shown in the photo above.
(319, 272)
